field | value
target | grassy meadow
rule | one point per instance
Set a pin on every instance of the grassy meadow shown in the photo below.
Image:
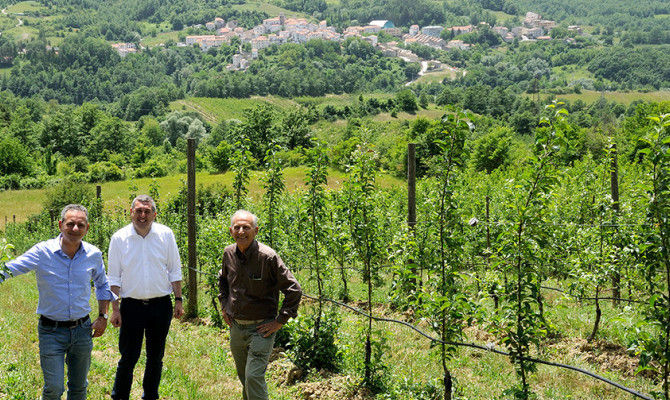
(24, 203)
(198, 364)
(589, 96)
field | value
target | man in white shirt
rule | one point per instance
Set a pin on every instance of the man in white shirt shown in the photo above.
(144, 268)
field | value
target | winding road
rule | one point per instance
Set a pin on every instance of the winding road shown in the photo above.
(4, 11)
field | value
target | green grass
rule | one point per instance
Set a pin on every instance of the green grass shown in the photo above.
(198, 364)
(571, 73)
(432, 112)
(270, 9)
(161, 38)
(24, 203)
(589, 96)
(215, 110)
(22, 32)
(24, 6)
(436, 76)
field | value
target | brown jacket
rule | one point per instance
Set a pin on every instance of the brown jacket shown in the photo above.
(250, 282)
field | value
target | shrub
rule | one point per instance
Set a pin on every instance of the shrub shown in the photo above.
(14, 157)
(9, 182)
(406, 100)
(220, 157)
(104, 171)
(153, 168)
(320, 352)
(492, 150)
(37, 182)
(291, 158)
(67, 192)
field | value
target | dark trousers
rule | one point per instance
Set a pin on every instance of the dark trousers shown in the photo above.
(139, 318)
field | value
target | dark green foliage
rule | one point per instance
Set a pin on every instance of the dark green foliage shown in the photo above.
(313, 69)
(491, 150)
(639, 67)
(154, 168)
(109, 135)
(656, 147)
(14, 157)
(220, 157)
(406, 100)
(64, 193)
(104, 171)
(613, 14)
(62, 133)
(312, 348)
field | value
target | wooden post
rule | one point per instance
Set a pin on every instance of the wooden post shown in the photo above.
(614, 179)
(192, 304)
(98, 191)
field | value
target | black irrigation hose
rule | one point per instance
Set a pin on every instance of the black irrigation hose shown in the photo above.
(593, 298)
(507, 222)
(543, 287)
(486, 348)
(472, 345)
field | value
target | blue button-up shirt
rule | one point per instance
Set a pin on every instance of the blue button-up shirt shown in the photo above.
(64, 284)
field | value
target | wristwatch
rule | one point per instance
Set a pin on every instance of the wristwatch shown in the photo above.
(103, 315)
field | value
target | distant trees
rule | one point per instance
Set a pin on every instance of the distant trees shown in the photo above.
(640, 66)
(14, 157)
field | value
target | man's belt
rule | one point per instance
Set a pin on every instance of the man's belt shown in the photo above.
(248, 321)
(63, 324)
(147, 301)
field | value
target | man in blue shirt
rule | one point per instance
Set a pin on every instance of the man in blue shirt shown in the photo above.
(64, 268)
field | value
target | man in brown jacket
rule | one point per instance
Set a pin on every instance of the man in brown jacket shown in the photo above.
(251, 277)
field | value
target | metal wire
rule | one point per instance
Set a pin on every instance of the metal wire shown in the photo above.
(489, 348)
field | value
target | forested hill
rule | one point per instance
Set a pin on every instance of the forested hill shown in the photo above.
(62, 49)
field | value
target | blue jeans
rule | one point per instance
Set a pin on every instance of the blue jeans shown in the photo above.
(58, 346)
(251, 352)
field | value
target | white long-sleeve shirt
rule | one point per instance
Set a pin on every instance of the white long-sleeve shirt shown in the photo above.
(144, 267)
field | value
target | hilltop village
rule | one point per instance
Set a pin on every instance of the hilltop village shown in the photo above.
(280, 29)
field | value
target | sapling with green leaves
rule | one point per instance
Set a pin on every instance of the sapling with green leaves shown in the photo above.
(241, 163)
(520, 320)
(584, 245)
(365, 237)
(5, 255)
(316, 215)
(273, 183)
(338, 239)
(449, 302)
(655, 146)
(314, 339)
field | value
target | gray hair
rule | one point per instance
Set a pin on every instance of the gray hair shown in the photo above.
(73, 207)
(239, 213)
(143, 198)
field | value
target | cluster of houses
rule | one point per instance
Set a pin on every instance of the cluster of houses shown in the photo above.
(533, 28)
(279, 30)
(125, 48)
